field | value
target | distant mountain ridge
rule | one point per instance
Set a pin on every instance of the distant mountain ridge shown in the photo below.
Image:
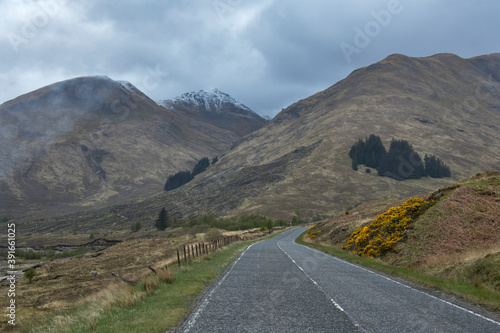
(92, 141)
(217, 108)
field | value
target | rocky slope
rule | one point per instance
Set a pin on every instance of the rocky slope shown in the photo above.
(92, 141)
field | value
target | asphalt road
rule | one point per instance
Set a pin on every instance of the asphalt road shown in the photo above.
(279, 286)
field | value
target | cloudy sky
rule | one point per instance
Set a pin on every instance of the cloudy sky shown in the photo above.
(265, 53)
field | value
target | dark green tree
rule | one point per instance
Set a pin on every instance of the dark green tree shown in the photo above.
(162, 221)
(370, 152)
(436, 168)
(177, 180)
(354, 164)
(357, 154)
(201, 166)
(374, 151)
(215, 159)
(402, 162)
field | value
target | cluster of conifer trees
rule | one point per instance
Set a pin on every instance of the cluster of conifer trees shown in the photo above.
(182, 177)
(400, 162)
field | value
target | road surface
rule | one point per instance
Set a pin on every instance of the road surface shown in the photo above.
(277, 285)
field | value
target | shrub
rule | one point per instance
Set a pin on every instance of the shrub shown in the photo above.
(30, 274)
(149, 284)
(30, 254)
(386, 230)
(212, 235)
(199, 229)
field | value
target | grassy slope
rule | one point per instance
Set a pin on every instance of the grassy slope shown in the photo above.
(453, 247)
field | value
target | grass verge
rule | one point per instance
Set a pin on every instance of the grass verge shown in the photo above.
(465, 290)
(155, 304)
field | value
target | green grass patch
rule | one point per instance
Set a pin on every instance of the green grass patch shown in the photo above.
(468, 291)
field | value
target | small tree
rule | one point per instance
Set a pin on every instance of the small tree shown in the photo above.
(162, 221)
(270, 226)
(30, 274)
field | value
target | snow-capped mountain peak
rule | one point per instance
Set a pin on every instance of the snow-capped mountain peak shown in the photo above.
(217, 108)
(210, 100)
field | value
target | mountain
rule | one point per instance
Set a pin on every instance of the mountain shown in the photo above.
(89, 142)
(217, 108)
(298, 164)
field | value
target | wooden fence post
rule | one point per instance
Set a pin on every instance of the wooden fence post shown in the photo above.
(178, 258)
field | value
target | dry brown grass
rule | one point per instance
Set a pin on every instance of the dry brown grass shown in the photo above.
(149, 283)
(442, 261)
(468, 221)
(165, 275)
(69, 282)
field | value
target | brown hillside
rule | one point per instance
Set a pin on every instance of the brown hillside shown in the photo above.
(91, 142)
(444, 105)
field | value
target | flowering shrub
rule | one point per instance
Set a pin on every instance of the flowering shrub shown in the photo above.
(386, 230)
(310, 233)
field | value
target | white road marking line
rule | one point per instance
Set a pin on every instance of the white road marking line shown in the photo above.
(337, 305)
(404, 285)
(190, 324)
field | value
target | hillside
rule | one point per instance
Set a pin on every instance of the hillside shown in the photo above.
(91, 142)
(457, 237)
(298, 164)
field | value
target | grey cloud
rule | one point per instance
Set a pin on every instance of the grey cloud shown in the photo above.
(265, 53)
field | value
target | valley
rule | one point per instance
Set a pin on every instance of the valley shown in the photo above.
(84, 161)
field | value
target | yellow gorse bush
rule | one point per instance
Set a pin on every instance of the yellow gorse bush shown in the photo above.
(386, 230)
(312, 233)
